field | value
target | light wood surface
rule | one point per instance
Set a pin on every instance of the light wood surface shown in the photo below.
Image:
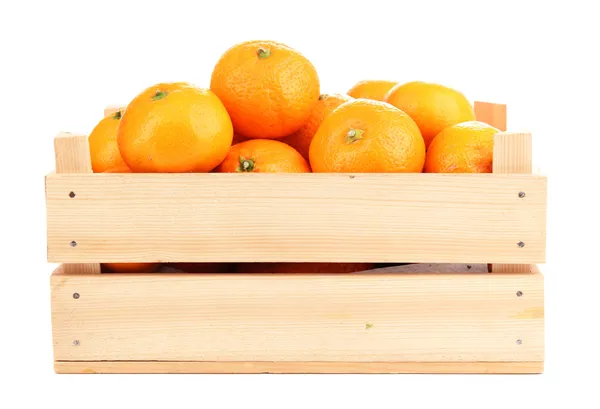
(303, 317)
(492, 114)
(133, 367)
(512, 154)
(72, 155)
(111, 109)
(476, 218)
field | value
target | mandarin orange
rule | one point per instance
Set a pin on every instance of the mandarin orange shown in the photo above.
(175, 127)
(263, 155)
(367, 136)
(432, 106)
(268, 88)
(301, 139)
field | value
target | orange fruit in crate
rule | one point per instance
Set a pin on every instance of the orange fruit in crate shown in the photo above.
(131, 267)
(104, 150)
(197, 268)
(268, 88)
(301, 139)
(263, 155)
(467, 147)
(367, 136)
(175, 127)
(302, 268)
(432, 106)
(119, 169)
(371, 89)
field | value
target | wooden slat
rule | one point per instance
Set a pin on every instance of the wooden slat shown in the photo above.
(72, 154)
(154, 367)
(491, 114)
(284, 217)
(293, 318)
(512, 155)
(111, 109)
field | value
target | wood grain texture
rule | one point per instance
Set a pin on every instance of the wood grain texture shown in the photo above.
(298, 318)
(72, 154)
(491, 114)
(445, 218)
(513, 155)
(154, 367)
(111, 109)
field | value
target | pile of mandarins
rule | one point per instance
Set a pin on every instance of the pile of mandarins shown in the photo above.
(264, 112)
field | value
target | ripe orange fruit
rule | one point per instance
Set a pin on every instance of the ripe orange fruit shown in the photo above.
(301, 139)
(104, 150)
(202, 267)
(118, 169)
(131, 267)
(433, 107)
(302, 268)
(367, 136)
(175, 127)
(467, 147)
(268, 88)
(371, 89)
(263, 155)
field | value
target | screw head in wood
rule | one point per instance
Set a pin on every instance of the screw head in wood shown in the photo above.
(521, 244)
(76, 343)
(76, 296)
(521, 195)
(519, 342)
(72, 195)
(73, 243)
(519, 293)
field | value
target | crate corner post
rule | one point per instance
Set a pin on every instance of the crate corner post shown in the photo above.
(72, 155)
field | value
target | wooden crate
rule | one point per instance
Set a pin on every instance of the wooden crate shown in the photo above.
(456, 322)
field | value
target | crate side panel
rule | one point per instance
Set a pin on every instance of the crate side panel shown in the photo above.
(157, 367)
(355, 318)
(312, 217)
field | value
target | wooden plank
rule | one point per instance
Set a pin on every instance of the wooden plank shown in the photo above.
(72, 154)
(512, 154)
(299, 318)
(476, 218)
(111, 109)
(491, 114)
(185, 367)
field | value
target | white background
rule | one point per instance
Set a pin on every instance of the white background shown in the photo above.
(62, 62)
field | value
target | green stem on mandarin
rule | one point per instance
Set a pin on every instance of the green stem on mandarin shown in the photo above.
(159, 95)
(246, 165)
(354, 135)
(322, 97)
(263, 53)
(117, 115)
